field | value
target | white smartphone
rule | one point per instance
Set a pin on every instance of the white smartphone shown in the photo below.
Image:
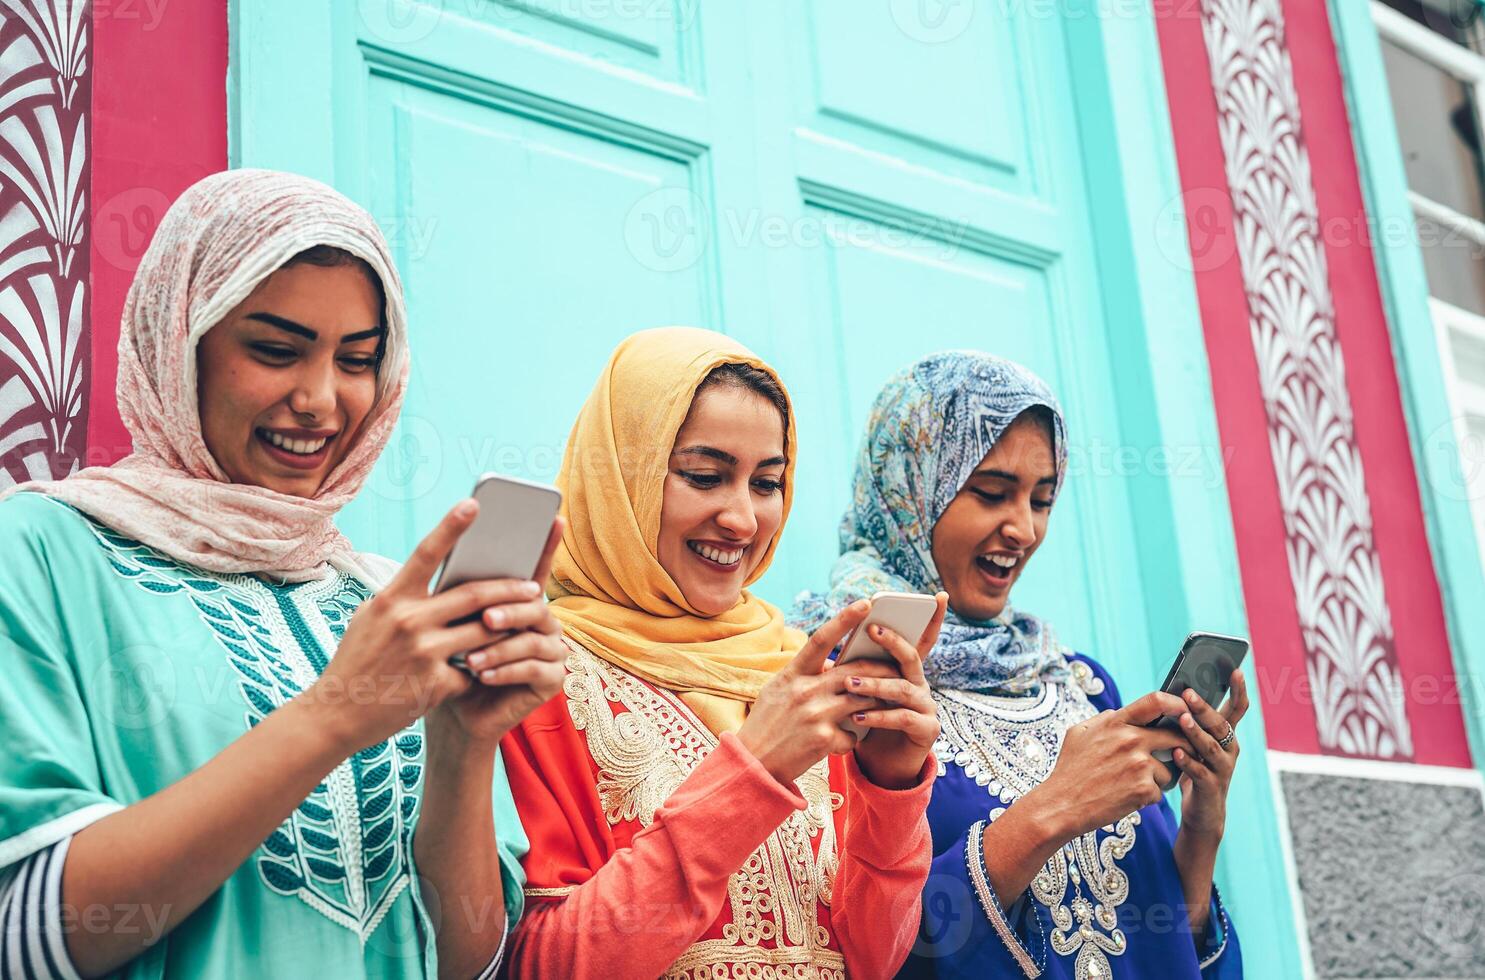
(905, 613)
(506, 539)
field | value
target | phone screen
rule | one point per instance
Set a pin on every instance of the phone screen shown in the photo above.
(1205, 665)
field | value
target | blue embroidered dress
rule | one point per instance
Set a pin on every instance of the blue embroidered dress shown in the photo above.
(1109, 904)
(121, 671)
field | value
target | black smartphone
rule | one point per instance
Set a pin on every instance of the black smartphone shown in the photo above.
(1205, 664)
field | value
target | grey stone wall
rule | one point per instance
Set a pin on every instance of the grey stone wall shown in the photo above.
(1392, 876)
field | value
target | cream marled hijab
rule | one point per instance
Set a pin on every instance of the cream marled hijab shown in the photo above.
(216, 244)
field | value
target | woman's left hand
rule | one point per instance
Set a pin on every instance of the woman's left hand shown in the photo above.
(1205, 777)
(516, 674)
(903, 734)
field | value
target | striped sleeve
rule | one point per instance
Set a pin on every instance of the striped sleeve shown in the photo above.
(31, 943)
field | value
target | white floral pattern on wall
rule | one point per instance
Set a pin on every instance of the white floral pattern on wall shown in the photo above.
(1358, 694)
(45, 96)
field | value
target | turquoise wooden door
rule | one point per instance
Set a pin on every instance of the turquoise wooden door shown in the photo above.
(844, 185)
(555, 175)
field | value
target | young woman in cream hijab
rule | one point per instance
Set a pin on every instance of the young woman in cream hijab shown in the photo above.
(223, 755)
(684, 819)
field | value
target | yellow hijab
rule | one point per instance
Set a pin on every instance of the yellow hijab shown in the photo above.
(608, 588)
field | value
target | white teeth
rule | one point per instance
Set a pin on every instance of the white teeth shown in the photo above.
(300, 447)
(1003, 561)
(715, 554)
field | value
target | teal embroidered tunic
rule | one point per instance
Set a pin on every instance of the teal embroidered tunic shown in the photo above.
(122, 670)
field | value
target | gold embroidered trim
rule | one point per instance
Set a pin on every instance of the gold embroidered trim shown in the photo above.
(561, 892)
(974, 859)
(643, 754)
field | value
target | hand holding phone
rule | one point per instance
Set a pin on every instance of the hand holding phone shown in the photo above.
(905, 613)
(507, 538)
(1205, 665)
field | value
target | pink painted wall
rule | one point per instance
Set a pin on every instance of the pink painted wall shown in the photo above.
(159, 125)
(1380, 433)
(1381, 428)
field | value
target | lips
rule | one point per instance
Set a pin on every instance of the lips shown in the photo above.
(286, 453)
(723, 558)
(998, 576)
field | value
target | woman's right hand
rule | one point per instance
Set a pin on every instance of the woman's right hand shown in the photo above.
(392, 666)
(796, 720)
(1105, 770)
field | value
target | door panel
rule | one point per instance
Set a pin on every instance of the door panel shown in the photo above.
(904, 109)
(558, 174)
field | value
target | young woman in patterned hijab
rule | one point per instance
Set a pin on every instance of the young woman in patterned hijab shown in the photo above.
(1048, 808)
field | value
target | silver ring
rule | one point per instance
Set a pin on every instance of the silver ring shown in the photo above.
(1231, 734)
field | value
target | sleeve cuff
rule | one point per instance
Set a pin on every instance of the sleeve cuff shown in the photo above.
(731, 749)
(923, 787)
(1214, 943)
(979, 878)
(31, 941)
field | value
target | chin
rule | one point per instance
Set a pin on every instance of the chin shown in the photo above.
(982, 608)
(713, 605)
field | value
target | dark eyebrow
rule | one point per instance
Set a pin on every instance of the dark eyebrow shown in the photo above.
(289, 326)
(351, 338)
(728, 458)
(300, 330)
(1013, 478)
(709, 453)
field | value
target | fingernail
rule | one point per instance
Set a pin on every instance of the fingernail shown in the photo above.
(465, 508)
(859, 716)
(855, 682)
(495, 618)
(488, 677)
(1187, 721)
(530, 590)
(877, 630)
(476, 662)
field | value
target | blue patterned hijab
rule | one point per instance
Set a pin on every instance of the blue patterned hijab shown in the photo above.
(929, 429)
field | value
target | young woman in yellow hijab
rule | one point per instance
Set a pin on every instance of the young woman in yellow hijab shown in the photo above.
(695, 808)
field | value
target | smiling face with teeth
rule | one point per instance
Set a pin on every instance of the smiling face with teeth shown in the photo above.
(285, 380)
(996, 522)
(724, 495)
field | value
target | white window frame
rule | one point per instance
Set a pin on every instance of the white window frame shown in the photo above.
(1466, 395)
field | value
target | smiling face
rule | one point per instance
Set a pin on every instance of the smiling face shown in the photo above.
(724, 495)
(286, 379)
(998, 519)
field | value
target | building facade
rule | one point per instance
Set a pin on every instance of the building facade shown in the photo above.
(1243, 239)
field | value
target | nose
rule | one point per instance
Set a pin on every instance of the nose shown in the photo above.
(1019, 529)
(314, 394)
(736, 516)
